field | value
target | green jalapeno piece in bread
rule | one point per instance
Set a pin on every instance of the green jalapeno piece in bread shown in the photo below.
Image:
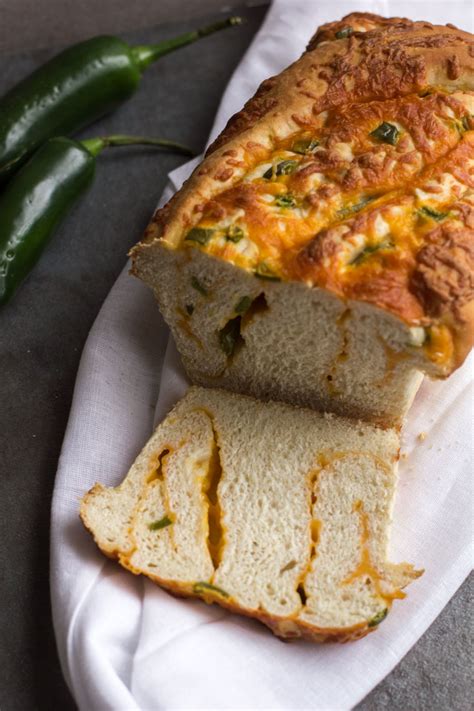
(386, 133)
(75, 88)
(201, 588)
(430, 212)
(161, 523)
(40, 195)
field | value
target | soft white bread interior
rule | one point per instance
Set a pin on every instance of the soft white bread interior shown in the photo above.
(272, 511)
(303, 346)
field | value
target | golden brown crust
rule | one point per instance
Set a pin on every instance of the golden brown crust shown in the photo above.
(366, 21)
(285, 628)
(379, 60)
(444, 275)
(388, 66)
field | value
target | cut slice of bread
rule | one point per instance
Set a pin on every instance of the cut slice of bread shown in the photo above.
(272, 511)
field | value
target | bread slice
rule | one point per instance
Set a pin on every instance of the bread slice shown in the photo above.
(321, 254)
(272, 511)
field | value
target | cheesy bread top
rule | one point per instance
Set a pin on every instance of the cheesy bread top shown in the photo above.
(353, 203)
(352, 171)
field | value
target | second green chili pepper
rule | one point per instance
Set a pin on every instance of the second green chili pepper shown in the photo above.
(40, 195)
(75, 88)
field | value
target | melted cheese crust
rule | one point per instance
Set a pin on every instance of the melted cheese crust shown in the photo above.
(348, 202)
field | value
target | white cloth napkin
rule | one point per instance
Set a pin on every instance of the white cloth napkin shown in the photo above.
(124, 643)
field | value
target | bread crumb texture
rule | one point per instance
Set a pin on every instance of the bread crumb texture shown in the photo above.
(272, 511)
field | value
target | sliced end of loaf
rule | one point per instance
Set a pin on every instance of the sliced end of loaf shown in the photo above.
(293, 344)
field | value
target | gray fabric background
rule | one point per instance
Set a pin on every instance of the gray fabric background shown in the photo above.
(43, 330)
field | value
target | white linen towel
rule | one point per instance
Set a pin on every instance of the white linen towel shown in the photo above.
(125, 644)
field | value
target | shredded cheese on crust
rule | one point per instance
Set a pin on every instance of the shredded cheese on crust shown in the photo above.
(351, 203)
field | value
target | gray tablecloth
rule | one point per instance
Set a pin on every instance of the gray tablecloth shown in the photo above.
(41, 337)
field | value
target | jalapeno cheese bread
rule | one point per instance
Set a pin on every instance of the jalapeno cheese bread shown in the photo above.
(322, 253)
(269, 510)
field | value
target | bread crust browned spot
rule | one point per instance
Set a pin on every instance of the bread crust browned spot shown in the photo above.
(443, 279)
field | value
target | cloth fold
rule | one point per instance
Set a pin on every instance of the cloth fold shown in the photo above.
(125, 644)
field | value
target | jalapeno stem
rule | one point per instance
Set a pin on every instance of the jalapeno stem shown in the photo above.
(144, 55)
(97, 145)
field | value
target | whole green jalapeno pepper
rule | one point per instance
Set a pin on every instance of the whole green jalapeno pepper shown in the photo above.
(75, 88)
(39, 196)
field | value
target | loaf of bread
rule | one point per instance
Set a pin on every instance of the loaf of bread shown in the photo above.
(322, 253)
(269, 510)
